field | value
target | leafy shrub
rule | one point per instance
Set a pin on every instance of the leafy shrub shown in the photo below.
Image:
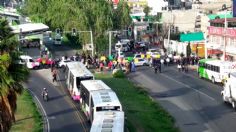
(118, 74)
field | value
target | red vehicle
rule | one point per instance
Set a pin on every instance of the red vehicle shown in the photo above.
(45, 62)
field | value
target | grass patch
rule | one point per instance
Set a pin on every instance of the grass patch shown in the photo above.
(28, 118)
(143, 114)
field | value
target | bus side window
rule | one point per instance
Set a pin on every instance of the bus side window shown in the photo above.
(212, 68)
(217, 69)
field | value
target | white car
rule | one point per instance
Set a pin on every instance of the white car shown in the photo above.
(141, 62)
(63, 62)
(29, 62)
(153, 52)
(122, 47)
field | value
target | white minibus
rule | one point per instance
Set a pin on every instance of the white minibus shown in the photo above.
(108, 121)
(96, 96)
(76, 72)
(215, 70)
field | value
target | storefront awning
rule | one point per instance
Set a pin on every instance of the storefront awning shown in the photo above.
(197, 36)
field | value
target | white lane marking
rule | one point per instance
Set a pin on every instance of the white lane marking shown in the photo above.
(44, 112)
(188, 86)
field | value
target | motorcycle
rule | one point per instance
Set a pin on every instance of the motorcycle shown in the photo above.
(45, 97)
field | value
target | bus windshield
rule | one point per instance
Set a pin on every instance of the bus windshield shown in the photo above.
(108, 108)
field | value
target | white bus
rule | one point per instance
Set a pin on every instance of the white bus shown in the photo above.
(76, 72)
(109, 121)
(96, 96)
(215, 70)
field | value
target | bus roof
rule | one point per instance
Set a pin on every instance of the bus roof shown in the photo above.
(78, 69)
(219, 63)
(206, 60)
(94, 85)
(108, 121)
(105, 97)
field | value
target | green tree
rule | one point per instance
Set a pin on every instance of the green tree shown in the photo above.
(122, 17)
(98, 16)
(12, 74)
(147, 10)
(188, 48)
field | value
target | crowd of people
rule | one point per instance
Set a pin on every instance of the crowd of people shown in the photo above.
(108, 63)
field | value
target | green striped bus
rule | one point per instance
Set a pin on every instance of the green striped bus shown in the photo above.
(214, 70)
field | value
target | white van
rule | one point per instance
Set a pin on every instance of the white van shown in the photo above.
(29, 62)
(122, 47)
(58, 39)
(229, 92)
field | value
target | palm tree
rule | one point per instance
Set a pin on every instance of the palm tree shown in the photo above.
(12, 74)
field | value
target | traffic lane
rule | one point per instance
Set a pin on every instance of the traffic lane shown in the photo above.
(199, 108)
(212, 89)
(62, 81)
(60, 50)
(191, 79)
(216, 111)
(170, 96)
(61, 114)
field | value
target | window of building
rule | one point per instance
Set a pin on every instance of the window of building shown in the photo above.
(233, 43)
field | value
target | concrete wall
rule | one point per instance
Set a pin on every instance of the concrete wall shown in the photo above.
(184, 19)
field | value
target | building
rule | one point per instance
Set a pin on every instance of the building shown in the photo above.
(157, 6)
(222, 39)
(137, 3)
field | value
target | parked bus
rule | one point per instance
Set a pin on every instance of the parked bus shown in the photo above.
(109, 121)
(214, 70)
(76, 72)
(96, 96)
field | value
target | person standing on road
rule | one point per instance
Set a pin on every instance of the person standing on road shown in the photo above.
(167, 61)
(54, 75)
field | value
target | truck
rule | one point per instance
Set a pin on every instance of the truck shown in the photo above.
(229, 91)
(58, 39)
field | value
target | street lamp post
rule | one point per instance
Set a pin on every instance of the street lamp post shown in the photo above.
(168, 39)
(225, 27)
(91, 40)
(110, 34)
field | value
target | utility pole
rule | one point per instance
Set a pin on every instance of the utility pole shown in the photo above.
(109, 43)
(225, 28)
(91, 36)
(168, 39)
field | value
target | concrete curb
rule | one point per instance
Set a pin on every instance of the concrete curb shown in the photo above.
(46, 126)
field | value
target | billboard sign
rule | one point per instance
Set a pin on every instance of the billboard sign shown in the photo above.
(234, 8)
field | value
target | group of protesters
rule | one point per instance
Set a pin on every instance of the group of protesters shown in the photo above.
(102, 63)
(184, 62)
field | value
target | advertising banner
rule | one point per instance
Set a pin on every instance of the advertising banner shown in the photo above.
(234, 8)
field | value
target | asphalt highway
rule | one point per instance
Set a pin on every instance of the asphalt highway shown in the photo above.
(196, 104)
(62, 113)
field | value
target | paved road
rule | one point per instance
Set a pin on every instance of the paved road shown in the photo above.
(62, 113)
(195, 104)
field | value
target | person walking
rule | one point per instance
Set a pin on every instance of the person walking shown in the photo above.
(167, 61)
(54, 75)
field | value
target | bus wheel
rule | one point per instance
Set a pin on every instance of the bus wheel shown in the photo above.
(223, 97)
(212, 79)
(234, 105)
